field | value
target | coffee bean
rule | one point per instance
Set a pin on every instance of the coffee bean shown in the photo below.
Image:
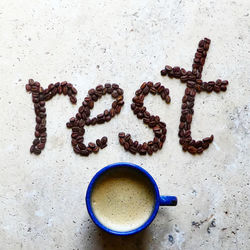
(84, 152)
(115, 86)
(118, 109)
(32, 149)
(199, 150)
(76, 150)
(104, 140)
(36, 141)
(207, 139)
(95, 150)
(163, 72)
(70, 92)
(92, 145)
(126, 145)
(143, 85)
(132, 150)
(168, 68)
(91, 104)
(121, 135)
(107, 85)
(120, 103)
(65, 90)
(122, 141)
(168, 99)
(205, 145)
(189, 118)
(145, 90)
(120, 91)
(192, 150)
(99, 88)
(37, 151)
(112, 112)
(223, 88)
(41, 146)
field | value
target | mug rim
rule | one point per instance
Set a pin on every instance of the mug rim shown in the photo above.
(129, 165)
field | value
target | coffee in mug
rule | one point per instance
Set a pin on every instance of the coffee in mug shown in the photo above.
(122, 199)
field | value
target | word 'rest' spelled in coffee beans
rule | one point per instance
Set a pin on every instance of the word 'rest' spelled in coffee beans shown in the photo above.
(153, 122)
(82, 118)
(39, 97)
(194, 85)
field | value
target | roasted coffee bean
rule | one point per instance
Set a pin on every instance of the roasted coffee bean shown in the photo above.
(205, 145)
(104, 140)
(146, 90)
(118, 109)
(120, 103)
(65, 90)
(76, 150)
(140, 115)
(91, 104)
(84, 152)
(120, 91)
(92, 145)
(95, 150)
(28, 87)
(107, 85)
(192, 150)
(126, 145)
(115, 86)
(132, 150)
(114, 104)
(163, 72)
(198, 144)
(107, 118)
(223, 88)
(122, 141)
(106, 112)
(37, 151)
(168, 68)
(75, 129)
(121, 135)
(189, 118)
(70, 92)
(41, 146)
(207, 139)
(64, 83)
(99, 88)
(36, 141)
(32, 149)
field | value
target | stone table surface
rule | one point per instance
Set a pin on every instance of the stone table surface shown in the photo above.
(88, 43)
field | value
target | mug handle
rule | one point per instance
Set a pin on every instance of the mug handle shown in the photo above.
(168, 200)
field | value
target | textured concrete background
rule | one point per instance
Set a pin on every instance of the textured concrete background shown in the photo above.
(91, 42)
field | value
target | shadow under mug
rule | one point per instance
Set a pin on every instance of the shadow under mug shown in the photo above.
(159, 200)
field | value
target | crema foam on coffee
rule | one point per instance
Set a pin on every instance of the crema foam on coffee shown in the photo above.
(122, 199)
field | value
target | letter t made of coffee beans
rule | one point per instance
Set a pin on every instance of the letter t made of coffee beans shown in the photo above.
(194, 84)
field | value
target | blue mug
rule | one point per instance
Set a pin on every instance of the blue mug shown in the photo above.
(159, 200)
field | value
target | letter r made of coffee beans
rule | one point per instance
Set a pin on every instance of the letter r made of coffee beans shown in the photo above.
(194, 84)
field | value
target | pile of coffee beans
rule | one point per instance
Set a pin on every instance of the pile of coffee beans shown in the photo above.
(82, 118)
(194, 84)
(153, 122)
(39, 98)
